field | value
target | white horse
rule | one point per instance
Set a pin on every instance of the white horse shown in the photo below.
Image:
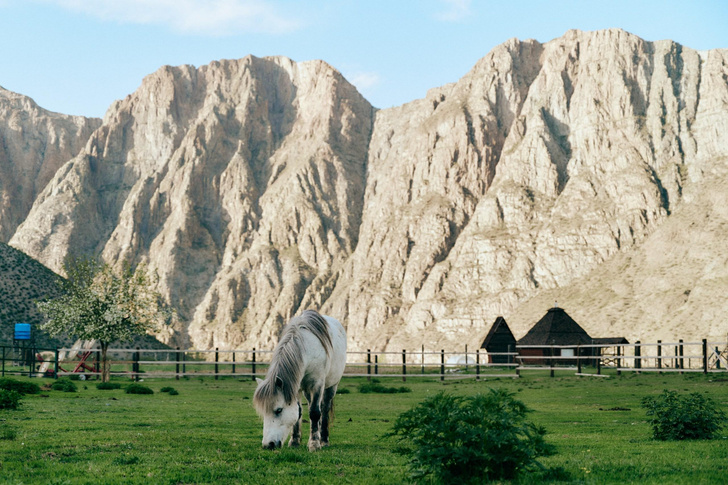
(310, 356)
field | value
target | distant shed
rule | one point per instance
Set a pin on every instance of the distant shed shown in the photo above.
(499, 340)
(554, 328)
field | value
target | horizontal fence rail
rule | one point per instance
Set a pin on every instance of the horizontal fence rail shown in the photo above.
(600, 360)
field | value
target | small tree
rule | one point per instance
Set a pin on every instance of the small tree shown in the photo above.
(100, 303)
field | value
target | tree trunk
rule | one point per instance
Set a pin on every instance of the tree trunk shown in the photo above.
(105, 367)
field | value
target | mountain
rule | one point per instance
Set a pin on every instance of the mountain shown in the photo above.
(588, 169)
(34, 143)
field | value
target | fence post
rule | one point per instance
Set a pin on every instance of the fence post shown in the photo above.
(578, 359)
(97, 364)
(659, 355)
(369, 364)
(705, 356)
(253, 363)
(682, 352)
(599, 365)
(551, 360)
(3, 373)
(184, 363)
(135, 366)
(477, 364)
(619, 360)
(466, 357)
(404, 365)
(217, 359)
(31, 361)
(423, 359)
(376, 364)
(233, 362)
(637, 355)
(55, 363)
(442, 364)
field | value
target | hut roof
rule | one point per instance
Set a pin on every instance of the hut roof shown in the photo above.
(556, 328)
(611, 340)
(498, 331)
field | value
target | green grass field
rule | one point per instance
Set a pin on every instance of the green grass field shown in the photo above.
(209, 433)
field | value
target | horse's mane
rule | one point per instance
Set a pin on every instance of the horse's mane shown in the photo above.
(287, 362)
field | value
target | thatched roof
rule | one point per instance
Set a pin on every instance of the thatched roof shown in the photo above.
(611, 340)
(499, 333)
(556, 328)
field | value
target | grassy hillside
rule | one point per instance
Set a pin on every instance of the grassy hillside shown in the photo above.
(23, 281)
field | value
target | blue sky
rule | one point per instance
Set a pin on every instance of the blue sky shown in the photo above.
(78, 56)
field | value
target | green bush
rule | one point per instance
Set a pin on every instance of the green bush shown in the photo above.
(105, 386)
(138, 389)
(375, 387)
(65, 385)
(458, 439)
(683, 417)
(343, 390)
(10, 399)
(166, 389)
(173, 392)
(22, 387)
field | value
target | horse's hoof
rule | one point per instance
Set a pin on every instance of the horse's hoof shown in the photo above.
(314, 446)
(324, 444)
(294, 444)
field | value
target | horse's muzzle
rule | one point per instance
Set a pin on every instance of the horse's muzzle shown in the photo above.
(272, 445)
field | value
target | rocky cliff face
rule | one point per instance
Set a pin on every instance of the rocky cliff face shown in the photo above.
(34, 143)
(241, 183)
(260, 187)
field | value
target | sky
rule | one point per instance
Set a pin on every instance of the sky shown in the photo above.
(78, 56)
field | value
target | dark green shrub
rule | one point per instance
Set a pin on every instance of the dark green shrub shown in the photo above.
(173, 392)
(10, 399)
(375, 387)
(166, 389)
(22, 387)
(65, 385)
(457, 439)
(683, 417)
(343, 390)
(105, 386)
(138, 389)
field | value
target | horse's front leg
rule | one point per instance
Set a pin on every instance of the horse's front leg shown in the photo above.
(314, 414)
(296, 435)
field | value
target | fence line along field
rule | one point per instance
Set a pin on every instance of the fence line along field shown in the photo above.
(209, 433)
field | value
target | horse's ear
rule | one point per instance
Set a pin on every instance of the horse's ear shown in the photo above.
(259, 381)
(279, 382)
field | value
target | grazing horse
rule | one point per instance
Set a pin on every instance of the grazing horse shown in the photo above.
(310, 357)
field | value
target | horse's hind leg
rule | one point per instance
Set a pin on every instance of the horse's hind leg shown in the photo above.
(327, 409)
(296, 435)
(314, 414)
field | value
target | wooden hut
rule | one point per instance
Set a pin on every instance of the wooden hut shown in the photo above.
(499, 340)
(554, 328)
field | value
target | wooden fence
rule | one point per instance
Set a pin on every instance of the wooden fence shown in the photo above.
(583, 360)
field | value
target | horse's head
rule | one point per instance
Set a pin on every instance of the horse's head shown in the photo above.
(279, 410)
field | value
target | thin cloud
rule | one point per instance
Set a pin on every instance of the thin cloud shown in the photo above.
(455, 10)
(200, 17)
(364, 80)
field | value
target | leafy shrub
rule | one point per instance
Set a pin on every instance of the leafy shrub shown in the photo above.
(173, 392)
(10, 399)
(138, 389)
(343, 390)
(65, 385)
(22, 387)
(457, 439)
(683, 417)
(166, 389)
(375, 387)
(104, 386)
